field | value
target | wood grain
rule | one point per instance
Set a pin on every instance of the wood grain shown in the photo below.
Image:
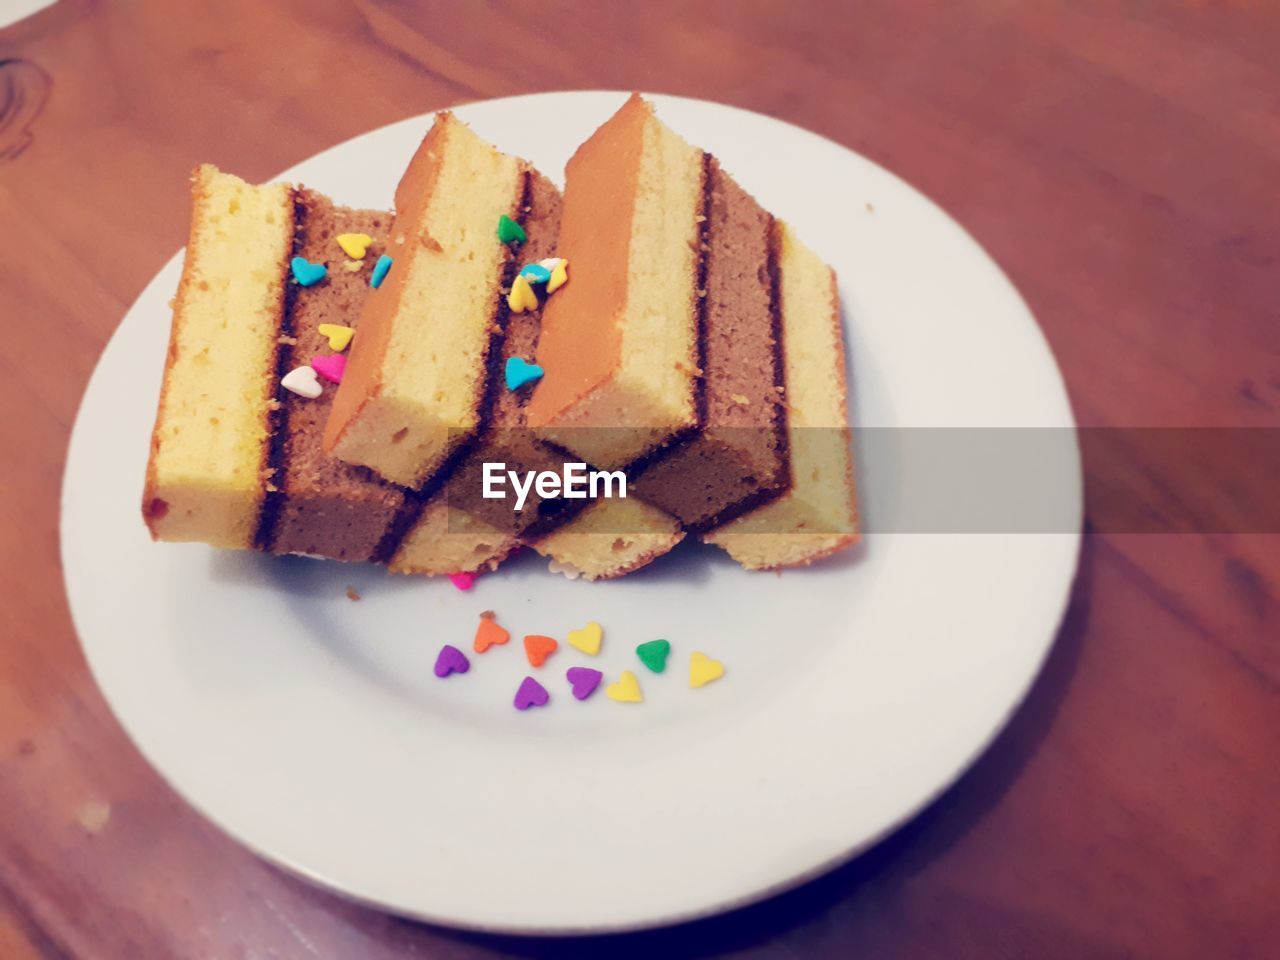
(1119, 160)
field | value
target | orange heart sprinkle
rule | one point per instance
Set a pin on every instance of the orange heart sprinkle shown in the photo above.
(539, 648)
(489, 633)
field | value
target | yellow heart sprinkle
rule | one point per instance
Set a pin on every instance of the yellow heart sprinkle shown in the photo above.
(559, 276)
(354, 245)
(522, 297)
(339, 336)
(702, 670)
(587, 639)
(626, 690)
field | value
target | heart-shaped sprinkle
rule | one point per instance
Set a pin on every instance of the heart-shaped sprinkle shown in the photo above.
(654, 654)
(535, 273)
(307, 273)
(463, 581)
(519, 372)
(522, 297)
(451, 660)
(354, 245)
(303, 382)
(550, 263)
(703, 669)
(489, 633)
(538, 648)
(584, 681)
(380, 271)
(587, 639)
(330, 367)
(559, 277)
(339, 336)
(531, 694)
(626, 689)
(509, 231)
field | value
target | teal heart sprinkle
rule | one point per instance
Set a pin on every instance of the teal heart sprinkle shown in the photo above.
(519, 372)
(509, 231)
(535, 273)
(654, 654)
(380, 271)
(306, 273)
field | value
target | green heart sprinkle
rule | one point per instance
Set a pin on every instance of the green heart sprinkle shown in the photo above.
(509, 231)
(654, 654)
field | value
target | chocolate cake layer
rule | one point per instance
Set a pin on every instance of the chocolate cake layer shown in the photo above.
(319, 504)
(740, 459)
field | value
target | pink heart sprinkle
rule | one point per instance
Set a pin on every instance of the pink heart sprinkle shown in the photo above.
(463, 581)
(451, 660)
(531, 694)
(584, 680)
(330, 367)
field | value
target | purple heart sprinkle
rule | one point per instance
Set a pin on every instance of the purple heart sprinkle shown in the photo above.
(584, 680)
(531, 694)
(451, 660)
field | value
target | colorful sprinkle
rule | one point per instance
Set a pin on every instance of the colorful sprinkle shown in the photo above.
(339, 336)
(538, 648)
(380, 271)
(463, 581)
(559, 277)
(489, 633)
(303, 382)
(587, 639)
(354, 245)
(626, 689)
(307, 273)
(451, 660)
(519, 372)
(584, 681)
(703, 669)
(330, 367)
(535, 273)
(509, 231)
(522, 297)
(531, 694)
(654, 654)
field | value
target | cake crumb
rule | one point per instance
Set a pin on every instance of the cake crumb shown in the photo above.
(870, 208)
(287, 340)
(353, 266)
(93, 815)
(739, 399)
(352, 594)
(26, 747)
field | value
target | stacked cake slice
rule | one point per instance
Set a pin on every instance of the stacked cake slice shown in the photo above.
(697, 348)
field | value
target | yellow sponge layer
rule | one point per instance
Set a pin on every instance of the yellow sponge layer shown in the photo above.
(414, 386)
(818, 515)
(205, 477)
(611, 538)
(444, 542)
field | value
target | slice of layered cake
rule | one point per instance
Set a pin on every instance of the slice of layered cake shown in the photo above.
(620, 344)
(818, 515)
(211, 446)
(413, 392)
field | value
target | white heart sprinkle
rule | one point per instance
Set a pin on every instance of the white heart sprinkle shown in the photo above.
(303, 382)
(550, 263)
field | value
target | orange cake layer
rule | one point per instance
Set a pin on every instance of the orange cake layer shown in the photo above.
(817, 516)
(620, 344)
(414, 387)
(206, 476)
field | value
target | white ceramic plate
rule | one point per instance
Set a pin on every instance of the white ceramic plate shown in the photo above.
(313, 730)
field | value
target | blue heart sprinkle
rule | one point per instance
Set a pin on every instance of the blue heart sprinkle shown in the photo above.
(307, 273)
(380, 270)
(535, 273)
(520, 372)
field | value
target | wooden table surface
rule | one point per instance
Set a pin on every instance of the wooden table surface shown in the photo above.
(1120, 160)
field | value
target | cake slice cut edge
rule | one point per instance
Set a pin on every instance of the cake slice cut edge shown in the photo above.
(818, 515)
(609, 539)
(208, 468)
(414, 385)
(620, 344)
